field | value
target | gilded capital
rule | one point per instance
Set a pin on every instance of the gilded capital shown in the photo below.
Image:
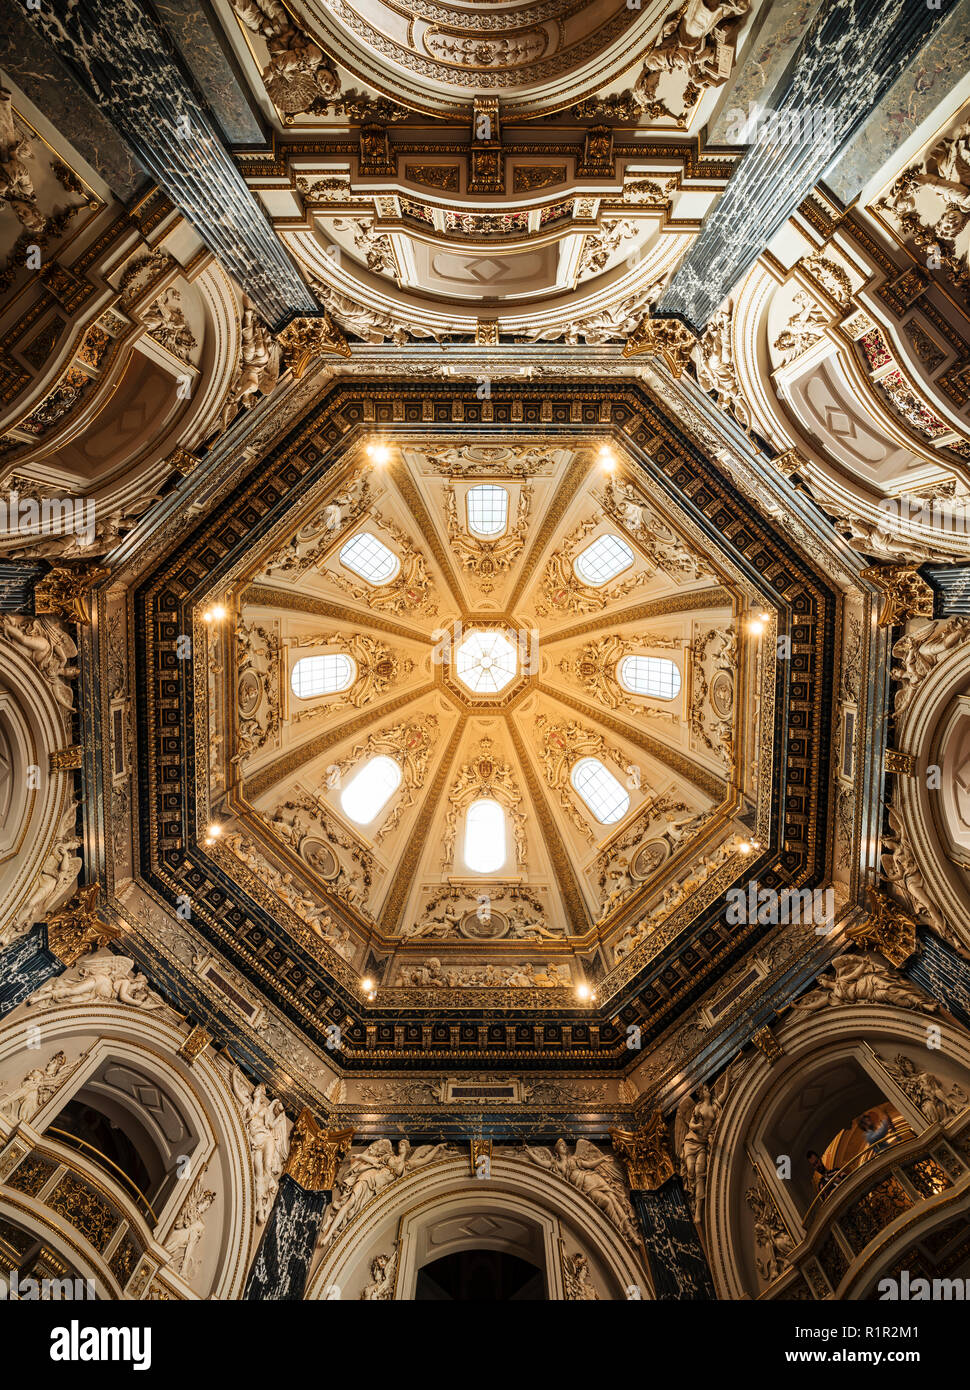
(887, 929)
(646, 1154)
(315, 1154)
(77, 928)
(63, 592)
(905, 593)
(304, 339)
(666, 338)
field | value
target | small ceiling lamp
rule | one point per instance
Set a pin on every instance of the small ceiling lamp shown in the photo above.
(378, 453)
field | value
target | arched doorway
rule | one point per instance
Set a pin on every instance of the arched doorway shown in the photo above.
(480, 1276)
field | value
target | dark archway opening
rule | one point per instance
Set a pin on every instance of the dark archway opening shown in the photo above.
(480, 1276)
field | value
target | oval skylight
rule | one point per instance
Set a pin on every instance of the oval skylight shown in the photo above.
(367, 793)
(603, 560)
(650, 675)
(603, 794)
(488, 509)
(485, 836)
(370, 558)
(322, 675)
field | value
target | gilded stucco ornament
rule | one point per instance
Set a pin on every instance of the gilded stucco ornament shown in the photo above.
(905, 592)
(304, 339)
(316, 1154)
(77, 928)
(666, 338)
(645, 1153)
(63, 593)
(887, 928)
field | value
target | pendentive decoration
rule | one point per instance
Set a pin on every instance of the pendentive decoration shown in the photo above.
(282, 1262)
(52, 947)
(678, 1265)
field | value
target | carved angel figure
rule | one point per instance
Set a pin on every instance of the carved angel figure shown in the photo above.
(258, 370)
(49, 647)
(864, 980)
(265, 1122)
(367, 1174)
(98, 978)
(37, 1087)
(900, 867)
(577, 1279)
(937, 1102)
(594, 1173)
(382, 1272)
(690, 43)
(299, 72)
(694, 1127)
(188, 1231)
(16, 185)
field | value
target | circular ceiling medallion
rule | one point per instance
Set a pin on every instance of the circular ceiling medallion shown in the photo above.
(319, 856)
(722, 694)
(480, 929)
(249, 693)
(649, 858)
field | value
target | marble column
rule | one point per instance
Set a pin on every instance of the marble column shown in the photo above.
(936, 967)
(51, 947)
(852, 53)
(123, 57)
(951, 589)
(24, 966)
(675, 1256)
(282, 1261)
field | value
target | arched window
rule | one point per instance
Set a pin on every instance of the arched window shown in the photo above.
(370, 558)
(488, 509)
(322, 675)
(370, 790)
(485, 849)
(607, 557)
(602, 793)
(650, 675)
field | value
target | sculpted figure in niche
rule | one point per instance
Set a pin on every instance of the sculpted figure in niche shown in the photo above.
(695, 1124)
(188, 1231)
(265, 1122)
(37, 1087)
(16, 185)
(937, 1102)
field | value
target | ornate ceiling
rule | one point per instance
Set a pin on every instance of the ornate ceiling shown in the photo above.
(383, 928)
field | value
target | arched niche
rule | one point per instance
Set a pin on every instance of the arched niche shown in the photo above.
(130, 1058)
(933, 727)
(38, 802)
(844, 1043)
(442, 1209)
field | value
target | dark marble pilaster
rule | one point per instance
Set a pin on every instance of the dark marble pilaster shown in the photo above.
(851, 54)
(674, 1252)
(937, 968)
(282, 1261)
(951, 589)
(124, 58)
(24, 966)
(17, 582)
(675, 1256)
